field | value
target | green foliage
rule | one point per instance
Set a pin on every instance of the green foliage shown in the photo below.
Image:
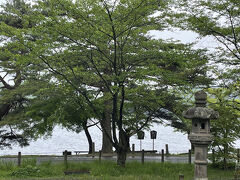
(220, 20)
(14, 93)
(29, 162)
(27, 171)
(99, 58)
(108, 170)
(30, 169)
(226, 128)
(6, 166)
(221, 165)
(112, 53)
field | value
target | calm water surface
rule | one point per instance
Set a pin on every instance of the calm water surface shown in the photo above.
(65, 140)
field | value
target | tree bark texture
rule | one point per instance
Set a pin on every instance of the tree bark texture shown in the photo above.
(89, 138)
(106, 134)
(106, 124)
(123, 148)
(4, 109)
(121, 157)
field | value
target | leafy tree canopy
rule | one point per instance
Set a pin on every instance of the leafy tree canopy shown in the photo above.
(103, 51)
(219, 19)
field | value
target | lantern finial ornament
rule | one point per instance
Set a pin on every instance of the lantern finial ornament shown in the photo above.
(200, 99)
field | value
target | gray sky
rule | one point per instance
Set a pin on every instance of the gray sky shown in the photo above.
(187, 37)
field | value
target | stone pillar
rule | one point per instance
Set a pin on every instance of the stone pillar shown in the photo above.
(200, 169)
(200, 135)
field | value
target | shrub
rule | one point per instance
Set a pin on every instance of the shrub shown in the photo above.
(27, 171)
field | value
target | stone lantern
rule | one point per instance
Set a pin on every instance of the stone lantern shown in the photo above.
(200, 136)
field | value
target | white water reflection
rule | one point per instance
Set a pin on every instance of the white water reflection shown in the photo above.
(64, 140)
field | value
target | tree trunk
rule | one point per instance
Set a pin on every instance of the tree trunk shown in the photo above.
(106, 124)
(225, 151)
(128, 147)
(106, 143)
(121, 157)
(4, 110)
(224, 163)
(122, 148)
(89, 138)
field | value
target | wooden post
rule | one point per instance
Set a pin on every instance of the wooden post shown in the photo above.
(153, 144)
(162, 155)
(133, 150)
(167, 151)
(143, 156)
(192, 147)
(140, 144)
(238, 155)
(213, 156)
(100, 156)
(65, 159)
(189, 156)
(19, 158)
(93, 149)
(181, 177)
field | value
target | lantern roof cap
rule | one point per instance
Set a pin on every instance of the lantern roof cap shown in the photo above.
(200, 111)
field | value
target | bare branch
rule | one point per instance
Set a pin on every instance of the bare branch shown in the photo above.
(6, 85)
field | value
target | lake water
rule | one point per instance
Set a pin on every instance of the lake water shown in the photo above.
(65, 140)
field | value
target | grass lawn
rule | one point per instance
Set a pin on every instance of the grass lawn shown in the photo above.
(105, 170)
